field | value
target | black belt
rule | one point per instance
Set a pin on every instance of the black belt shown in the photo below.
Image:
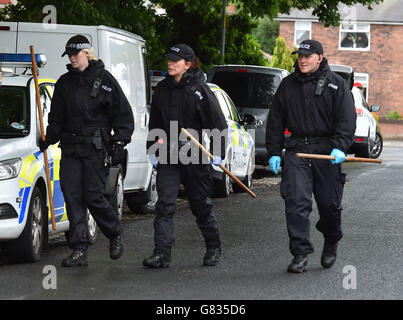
(309, 140)
(73, 138)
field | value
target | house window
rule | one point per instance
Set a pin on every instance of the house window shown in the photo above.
(354, 37)
(303, 31)
(361, 80)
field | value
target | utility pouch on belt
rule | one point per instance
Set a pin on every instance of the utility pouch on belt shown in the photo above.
(107, 140)
(97, 140)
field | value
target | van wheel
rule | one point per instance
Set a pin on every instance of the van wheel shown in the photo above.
(222, 188)
(92, 232)
(28, 247)
(145, 202)
(116, 199)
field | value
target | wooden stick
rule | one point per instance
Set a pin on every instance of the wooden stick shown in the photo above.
(45, 155)
(221, 166)
(328, 157)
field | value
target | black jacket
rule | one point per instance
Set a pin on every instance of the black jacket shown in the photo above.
(190, 102)
(75, 113)
(328, 120)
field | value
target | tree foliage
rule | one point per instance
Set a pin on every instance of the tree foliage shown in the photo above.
(196, 22)
(282, 57)
(266, 33)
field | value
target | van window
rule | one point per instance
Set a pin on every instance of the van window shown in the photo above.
(247, 89)
(128, 69)
(14, 112)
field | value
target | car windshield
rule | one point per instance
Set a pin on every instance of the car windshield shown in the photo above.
(14, 112)
(247, 89)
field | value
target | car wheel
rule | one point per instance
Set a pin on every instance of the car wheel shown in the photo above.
(365, 150)
(377, 147)
(222, 188)
(144, 202)
(28, 247)
(247, 181)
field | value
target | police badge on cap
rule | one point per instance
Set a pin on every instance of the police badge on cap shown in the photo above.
(180, 51)
(309, 47)
(76, 44)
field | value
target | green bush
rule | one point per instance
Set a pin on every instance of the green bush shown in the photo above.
(395, 115)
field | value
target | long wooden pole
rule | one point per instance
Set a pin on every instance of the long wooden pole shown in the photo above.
(221, 166)
(45, 155)
(328, 157)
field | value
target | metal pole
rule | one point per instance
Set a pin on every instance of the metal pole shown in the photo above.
(224, 12)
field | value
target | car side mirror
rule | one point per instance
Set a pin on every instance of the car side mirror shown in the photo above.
(374, 108)
(248, 119)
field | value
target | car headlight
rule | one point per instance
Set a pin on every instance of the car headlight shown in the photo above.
(10, 168)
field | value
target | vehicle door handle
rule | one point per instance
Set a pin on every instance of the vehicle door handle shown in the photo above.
(258, 123)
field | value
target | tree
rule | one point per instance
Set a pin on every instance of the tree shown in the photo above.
(282, 57)
(196, 22)
(266, 33)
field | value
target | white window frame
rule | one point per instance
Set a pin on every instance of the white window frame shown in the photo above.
(365, 82)
(296, 28)
(355, 30)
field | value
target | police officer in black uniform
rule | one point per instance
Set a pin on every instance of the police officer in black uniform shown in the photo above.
(87, 104)
(183, 97)
(317, 107)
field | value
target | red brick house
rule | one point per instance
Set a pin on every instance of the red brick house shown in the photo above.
(370, 41)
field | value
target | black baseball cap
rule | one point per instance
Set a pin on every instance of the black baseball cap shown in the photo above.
(76, 44)
(180, 51)
(309, 47)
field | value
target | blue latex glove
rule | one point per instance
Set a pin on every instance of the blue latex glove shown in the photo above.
(274, 163)
(217, 160)
(340, 156)
(153, 159)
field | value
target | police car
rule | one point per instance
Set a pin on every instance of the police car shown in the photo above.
(368, 140)
(240, 155)
(25, 223)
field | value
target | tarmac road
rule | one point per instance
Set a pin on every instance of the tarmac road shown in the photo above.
(255, 250)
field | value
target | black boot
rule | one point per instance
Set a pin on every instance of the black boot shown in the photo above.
(298, 264)
(116, 247)
(329, 255)
(212, 257)
(76, 259)
(158, 259)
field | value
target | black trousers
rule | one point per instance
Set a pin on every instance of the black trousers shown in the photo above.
(197, 181)
(300, 178)
(83, 181)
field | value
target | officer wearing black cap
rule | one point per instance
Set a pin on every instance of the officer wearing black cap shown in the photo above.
(184, 98)
(87, 105)
(316, 105)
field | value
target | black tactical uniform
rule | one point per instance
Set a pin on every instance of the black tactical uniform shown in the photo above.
(321, 117)
(83, 113)
(194, 106)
